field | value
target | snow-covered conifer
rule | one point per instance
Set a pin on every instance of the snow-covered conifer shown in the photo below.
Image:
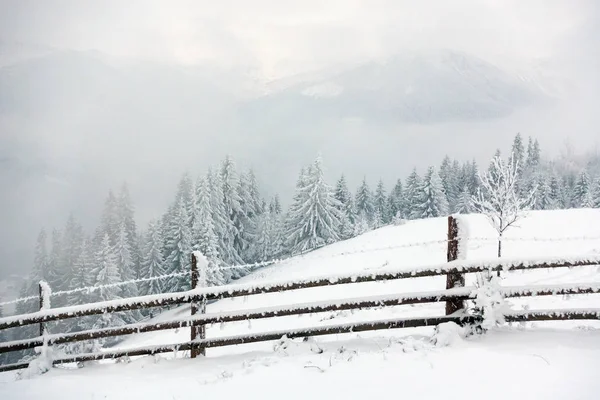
(413, 195)
(580, 191)
(380, 202)
(179, 249)
(364, 202)
(153, 262)
(314, 217)
(464, 205)
(433, 200)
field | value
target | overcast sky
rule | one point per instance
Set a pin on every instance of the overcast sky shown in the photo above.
(279, 37)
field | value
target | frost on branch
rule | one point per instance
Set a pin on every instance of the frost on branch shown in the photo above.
(489, 300)
(498, 196)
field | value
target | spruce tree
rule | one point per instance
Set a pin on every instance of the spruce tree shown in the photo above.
(126, 213)
(153, 262)
(464, 204)
(556, 195)
(518, 151)
(220, 219)
(203, 233)
(235, 242)
(542, 192)
(433, 200)
(346, 207)
(396, 200)
(595, 194)
(106, 272)
(127, 272)
(581, 189)
(413, 195)
(109, 221)
(449, 181)
(83, 274)
(275, 205)
(380, 202)
(41, 262)
(179, 249)
(314, 217)
(364, 202)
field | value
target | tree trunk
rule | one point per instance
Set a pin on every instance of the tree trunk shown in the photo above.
(499, 250)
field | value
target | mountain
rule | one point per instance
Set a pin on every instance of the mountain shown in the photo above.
(416, 87)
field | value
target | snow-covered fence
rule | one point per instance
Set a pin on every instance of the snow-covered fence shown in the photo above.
(199, 343)
(454, 296)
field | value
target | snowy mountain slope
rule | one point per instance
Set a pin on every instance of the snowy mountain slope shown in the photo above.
(538, 362)
(356, 255)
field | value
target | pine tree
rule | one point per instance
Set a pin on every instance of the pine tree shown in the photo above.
(126, 268)
(396, 200)
(41, 263)
(179, 249)
(433, 200)
(264, 246)
(106, 272)
(449, 179)
(70, 248)
(464, 204)
(109, 221)
(542, 192)
(533, 155)
(413, 195)
(364, 202)
(380, 204)
(556, 195)
(235, 242)
(346, 207)
(126, 213)
(56, 260)
(595, 194)
(581, 189)
(83, 274)
(153, 262)
(518, 151)
(203, 233)
(275, 205)
(314, 217)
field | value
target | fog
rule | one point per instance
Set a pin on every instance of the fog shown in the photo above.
(93, 94)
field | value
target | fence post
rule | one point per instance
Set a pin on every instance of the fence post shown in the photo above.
(454, 278)
(197, 332)
(44, 301)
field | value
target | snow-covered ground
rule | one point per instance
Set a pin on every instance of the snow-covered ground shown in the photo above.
(547, 360)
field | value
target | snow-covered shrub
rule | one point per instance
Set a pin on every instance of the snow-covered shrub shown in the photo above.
(489, 301)
(40, 364)
(398, 220)
(448, 334)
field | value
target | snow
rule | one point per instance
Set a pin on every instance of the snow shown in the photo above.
(551, 360)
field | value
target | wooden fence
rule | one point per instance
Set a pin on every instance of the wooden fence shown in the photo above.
(454, 297)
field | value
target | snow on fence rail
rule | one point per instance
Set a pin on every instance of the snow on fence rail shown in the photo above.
(454, 296)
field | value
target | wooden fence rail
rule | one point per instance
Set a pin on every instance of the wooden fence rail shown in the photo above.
(454, 298)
